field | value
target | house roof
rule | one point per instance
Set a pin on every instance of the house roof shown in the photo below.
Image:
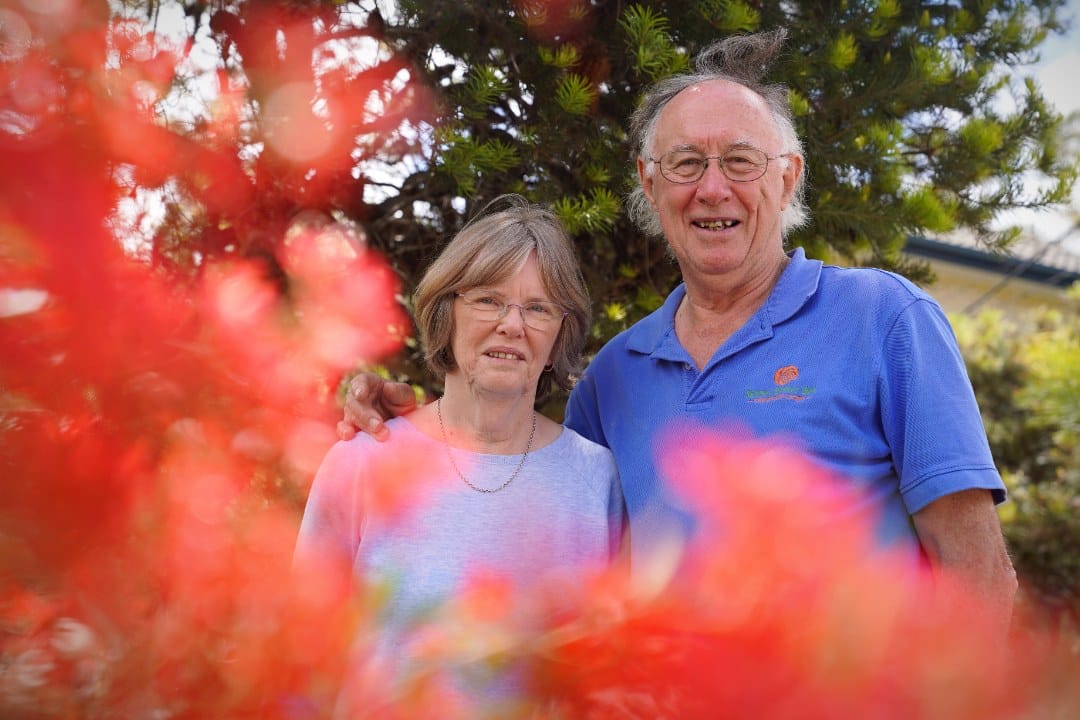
(1030, 258)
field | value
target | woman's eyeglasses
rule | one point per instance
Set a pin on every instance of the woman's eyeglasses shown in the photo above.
(537, 314)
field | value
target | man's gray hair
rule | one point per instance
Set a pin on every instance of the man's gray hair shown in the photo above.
(742, 59)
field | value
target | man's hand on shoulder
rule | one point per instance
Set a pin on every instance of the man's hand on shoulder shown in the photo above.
(369, 402)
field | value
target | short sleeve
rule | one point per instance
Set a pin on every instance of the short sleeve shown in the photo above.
(929, 412)
(331, 526)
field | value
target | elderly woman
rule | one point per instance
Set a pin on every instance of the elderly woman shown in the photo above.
(502, 313)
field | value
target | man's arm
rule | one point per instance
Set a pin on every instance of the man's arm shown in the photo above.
(961, 536)
(369, 401)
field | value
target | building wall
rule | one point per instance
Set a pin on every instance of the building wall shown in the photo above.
(960, 288)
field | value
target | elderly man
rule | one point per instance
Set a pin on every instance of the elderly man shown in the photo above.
(858, 364)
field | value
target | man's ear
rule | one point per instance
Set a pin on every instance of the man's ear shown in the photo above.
(793, 170)
(646, 179)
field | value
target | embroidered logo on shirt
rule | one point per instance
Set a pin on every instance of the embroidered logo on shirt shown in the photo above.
(785, 375)
(783, 390)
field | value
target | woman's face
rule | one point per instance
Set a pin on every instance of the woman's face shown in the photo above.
(505, 356)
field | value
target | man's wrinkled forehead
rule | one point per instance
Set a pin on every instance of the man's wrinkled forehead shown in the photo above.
(733, 144)
(721, 107)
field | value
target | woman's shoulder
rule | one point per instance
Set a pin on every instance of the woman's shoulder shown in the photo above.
(591, 463)
(579, 441)
(578, 449)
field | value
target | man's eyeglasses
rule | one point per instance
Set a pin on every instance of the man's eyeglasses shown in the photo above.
(537, 314)
(739, 164)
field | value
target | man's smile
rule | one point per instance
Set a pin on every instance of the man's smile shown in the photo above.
(715, 224)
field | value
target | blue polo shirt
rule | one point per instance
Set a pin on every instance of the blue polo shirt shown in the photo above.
(858, 367)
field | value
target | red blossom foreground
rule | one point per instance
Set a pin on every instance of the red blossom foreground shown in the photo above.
(159, 430)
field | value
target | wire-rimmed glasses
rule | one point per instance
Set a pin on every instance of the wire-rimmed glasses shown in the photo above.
(488, 305)
(739, 164)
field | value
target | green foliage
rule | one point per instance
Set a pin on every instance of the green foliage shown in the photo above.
(574, 94)
(1054, 361)
(485, 86)
(982, 135)
(730, 16)
(926, 209)
(468, 161)
(595, 213)
(1028, 386)
(892, 97)
(655, 54)
(562, 57)
(883, 18)
(843, 52)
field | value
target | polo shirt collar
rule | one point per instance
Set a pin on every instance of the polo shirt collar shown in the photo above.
(655, 333)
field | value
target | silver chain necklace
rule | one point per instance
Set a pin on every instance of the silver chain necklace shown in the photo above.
(450, 454)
